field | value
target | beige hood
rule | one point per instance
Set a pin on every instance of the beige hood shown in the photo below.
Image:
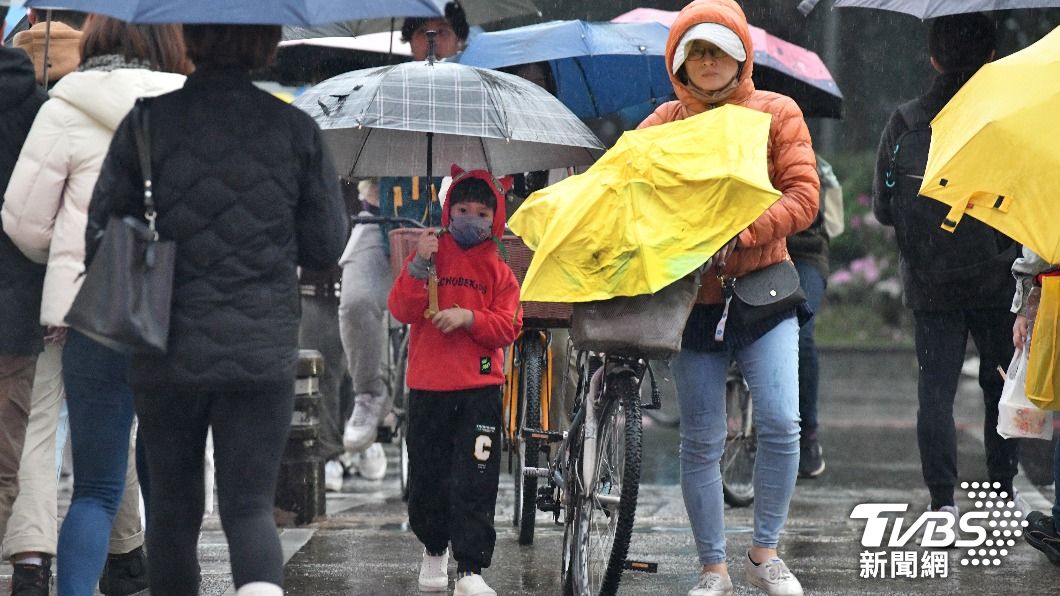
(64, 53)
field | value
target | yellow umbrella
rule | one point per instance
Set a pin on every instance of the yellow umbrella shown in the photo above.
(994, 151)
(651, 210)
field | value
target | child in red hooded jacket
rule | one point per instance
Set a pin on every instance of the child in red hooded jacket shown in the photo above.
(455, 374)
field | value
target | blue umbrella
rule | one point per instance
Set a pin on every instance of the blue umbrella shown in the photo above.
(249, 12)
(598, 68)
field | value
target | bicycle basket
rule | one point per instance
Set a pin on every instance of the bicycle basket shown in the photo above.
(402, 244)
(648, 326)
(535, 314)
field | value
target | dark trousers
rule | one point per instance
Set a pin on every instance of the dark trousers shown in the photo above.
(813, 284)
(941, 337)
(249, 435)
(454, 444)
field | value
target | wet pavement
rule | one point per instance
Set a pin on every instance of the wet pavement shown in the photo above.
(867, 415)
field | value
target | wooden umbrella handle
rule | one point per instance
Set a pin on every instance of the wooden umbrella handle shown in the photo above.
(432, 294)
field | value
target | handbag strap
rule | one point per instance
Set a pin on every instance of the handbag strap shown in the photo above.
(141, 131)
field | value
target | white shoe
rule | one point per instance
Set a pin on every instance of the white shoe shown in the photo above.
(333, 476)
(259, 589)
(472, 585)
(434, 572)
(1020, 504)
(372, 462)
(363, 424)
(772, 577)
(712, 584)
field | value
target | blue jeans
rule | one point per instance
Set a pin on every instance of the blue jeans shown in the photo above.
(100, 403)
(770, 366)
(813, 284)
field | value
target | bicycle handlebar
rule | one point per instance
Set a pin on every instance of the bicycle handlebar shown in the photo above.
(377, 219)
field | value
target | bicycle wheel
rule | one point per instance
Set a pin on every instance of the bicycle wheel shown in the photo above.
(741, 444)
(533, 353)
(605, 516)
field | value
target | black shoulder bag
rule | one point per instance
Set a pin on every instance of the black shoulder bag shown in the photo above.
(125, 300)
(759, 295)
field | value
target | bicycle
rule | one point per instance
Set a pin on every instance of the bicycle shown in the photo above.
(528, 392)
(594, 478)
(741, 441)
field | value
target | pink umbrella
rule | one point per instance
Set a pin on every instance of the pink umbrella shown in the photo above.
(780, 66)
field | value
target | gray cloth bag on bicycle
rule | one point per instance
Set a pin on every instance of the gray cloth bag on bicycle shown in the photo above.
(648, 326)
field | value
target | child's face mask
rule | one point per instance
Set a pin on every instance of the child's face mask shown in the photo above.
(469, 229)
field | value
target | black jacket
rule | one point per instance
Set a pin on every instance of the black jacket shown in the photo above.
(940, 270)
(21, 280)
(244, 185)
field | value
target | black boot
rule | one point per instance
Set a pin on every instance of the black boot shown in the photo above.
(31, 580)
(124, 574)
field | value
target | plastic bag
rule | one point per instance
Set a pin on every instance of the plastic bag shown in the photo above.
(1017, 417)
(1043, 378)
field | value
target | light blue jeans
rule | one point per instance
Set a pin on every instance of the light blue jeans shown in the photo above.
(771, 367)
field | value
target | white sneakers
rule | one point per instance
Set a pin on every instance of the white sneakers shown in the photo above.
(372, 462)
(259, 589)
(361, 428)
(473, 585)
(333, 473)
(712, 584)
(434, 572)
(772, 577)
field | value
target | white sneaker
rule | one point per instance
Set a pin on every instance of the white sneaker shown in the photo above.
(772, 577)
(363, 424)
(259, 589)
(434, 572)
(472, 585)
(712, 584)
(372, 462)
(1020, 504)
(333, 476)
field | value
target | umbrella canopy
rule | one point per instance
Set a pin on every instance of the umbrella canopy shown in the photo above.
(477, 12)
(248, 12)
(929, 9)
(375, 121)
(993, 148)
(780, 66)
(655, 207)
(599, 68)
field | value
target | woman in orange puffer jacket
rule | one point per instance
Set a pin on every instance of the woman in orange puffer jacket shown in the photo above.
(709, 55)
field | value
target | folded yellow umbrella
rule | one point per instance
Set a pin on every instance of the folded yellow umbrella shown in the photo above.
(994, 148)
(651, 210)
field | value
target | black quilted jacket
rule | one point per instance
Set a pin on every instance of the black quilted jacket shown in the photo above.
(245, 187)
(20, 279)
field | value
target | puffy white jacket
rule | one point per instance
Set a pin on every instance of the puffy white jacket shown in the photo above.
(46, 203)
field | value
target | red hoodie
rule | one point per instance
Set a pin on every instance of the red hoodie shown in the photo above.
(477, 279)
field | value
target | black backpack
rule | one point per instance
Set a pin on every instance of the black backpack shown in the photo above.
(932, 254)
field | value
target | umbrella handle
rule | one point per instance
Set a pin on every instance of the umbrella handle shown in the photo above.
(432, 294)
(987, 200)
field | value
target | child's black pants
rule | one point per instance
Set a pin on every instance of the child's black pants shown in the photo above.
(454, 445)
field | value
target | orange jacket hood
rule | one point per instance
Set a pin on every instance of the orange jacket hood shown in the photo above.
(728, 14)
